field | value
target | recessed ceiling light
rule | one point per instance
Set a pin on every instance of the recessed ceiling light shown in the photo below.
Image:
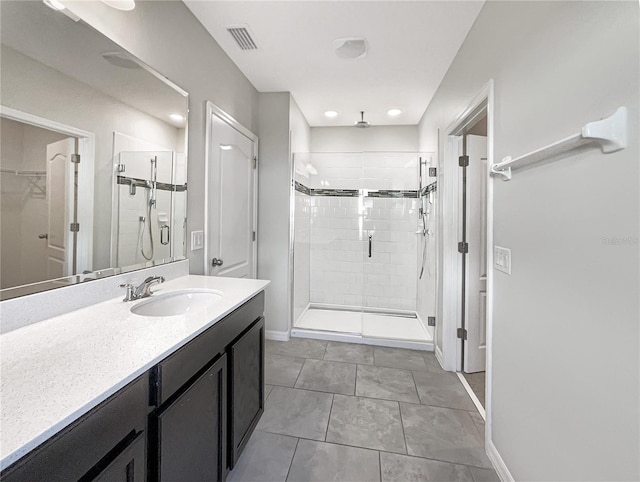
(331, 113)
(55, 4)
(394, 112)
(176, 117)
(125, 5)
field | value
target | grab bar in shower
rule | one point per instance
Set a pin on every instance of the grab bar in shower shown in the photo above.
(370, 241)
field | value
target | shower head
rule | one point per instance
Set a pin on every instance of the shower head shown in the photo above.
(362, 124)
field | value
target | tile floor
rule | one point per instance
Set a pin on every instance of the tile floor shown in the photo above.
(348, 412)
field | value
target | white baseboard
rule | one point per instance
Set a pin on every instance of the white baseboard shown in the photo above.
(439, 356)
(472, 395)
(353, 338)
(498, 464)
(276, 335)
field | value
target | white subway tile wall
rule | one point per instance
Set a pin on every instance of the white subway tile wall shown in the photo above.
(341, 271)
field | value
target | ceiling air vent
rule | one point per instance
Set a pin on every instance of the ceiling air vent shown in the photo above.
(242, 37)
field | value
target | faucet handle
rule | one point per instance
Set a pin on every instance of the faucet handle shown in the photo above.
(129, 296)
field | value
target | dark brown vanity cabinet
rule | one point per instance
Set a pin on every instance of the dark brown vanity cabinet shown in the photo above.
(108, 443)
(209, 398)
(246, 388)
(190, 430)
(186, 419)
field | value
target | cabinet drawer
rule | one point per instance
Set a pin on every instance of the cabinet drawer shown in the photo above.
(74, 451)
(177, 369)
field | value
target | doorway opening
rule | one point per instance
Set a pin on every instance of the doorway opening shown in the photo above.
(473, 228)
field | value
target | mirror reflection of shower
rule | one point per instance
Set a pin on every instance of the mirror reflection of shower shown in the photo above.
(150, 190)
(151, 187)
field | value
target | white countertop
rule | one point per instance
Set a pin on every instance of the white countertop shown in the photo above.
(54, 371)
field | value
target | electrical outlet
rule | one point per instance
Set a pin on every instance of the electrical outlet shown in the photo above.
(197, 240)
(502, 259)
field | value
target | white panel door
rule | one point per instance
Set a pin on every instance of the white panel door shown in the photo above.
(231, 202)
(59, 197)
(476, 276)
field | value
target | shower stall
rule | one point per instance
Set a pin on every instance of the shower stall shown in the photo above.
(360, 228)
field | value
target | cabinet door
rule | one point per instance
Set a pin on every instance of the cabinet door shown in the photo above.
(129, 466)
(246, 388)
(191, 430)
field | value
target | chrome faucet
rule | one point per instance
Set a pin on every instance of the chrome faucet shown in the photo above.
(143, 290)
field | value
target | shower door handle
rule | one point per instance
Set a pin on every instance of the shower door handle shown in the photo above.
(370, 242)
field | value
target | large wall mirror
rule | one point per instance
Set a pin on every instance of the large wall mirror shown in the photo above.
(92, 151)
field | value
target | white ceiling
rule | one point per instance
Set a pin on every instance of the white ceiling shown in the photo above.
(411, 45)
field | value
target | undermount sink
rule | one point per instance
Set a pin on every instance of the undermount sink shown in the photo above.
(179, 302)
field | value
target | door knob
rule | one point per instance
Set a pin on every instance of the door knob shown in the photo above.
(216, 262)
(43, 236)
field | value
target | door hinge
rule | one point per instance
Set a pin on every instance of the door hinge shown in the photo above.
(75, 158)
(431, 321)
(463, 161)
(254, 236)
(74, 227)
(463, 247)
(255, 162)
(121, 167)
(462, 333)
(433, 172)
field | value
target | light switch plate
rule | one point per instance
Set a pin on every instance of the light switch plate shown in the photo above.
(197, 240)
(502, 259)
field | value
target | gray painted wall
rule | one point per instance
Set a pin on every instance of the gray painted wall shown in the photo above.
(166, 36)
(565, 346)
(273, 206)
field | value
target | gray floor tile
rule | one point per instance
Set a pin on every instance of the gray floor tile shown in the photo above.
(386, 383)
(399, 358)
(321, 462)
(433, 365)
(484, 475)
(478, 421)
(267, 391)
(363, 422)
(442, 389)
(443, 434)
(328, 376)
(349, 353)
(267, 457)
(281, 370)
(299, 413)
(401, 468)
(300, 347)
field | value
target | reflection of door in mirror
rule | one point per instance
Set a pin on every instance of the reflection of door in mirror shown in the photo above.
(60, 215)
(35, 214)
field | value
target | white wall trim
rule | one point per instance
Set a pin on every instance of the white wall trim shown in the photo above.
(439, 356)
(498, 464)
(276, 335)
(472, 395)
(86, 149)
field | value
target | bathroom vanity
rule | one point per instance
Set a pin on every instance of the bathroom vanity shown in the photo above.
(104, 394)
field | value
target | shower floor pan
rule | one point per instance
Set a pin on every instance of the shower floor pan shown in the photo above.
(368, 325)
